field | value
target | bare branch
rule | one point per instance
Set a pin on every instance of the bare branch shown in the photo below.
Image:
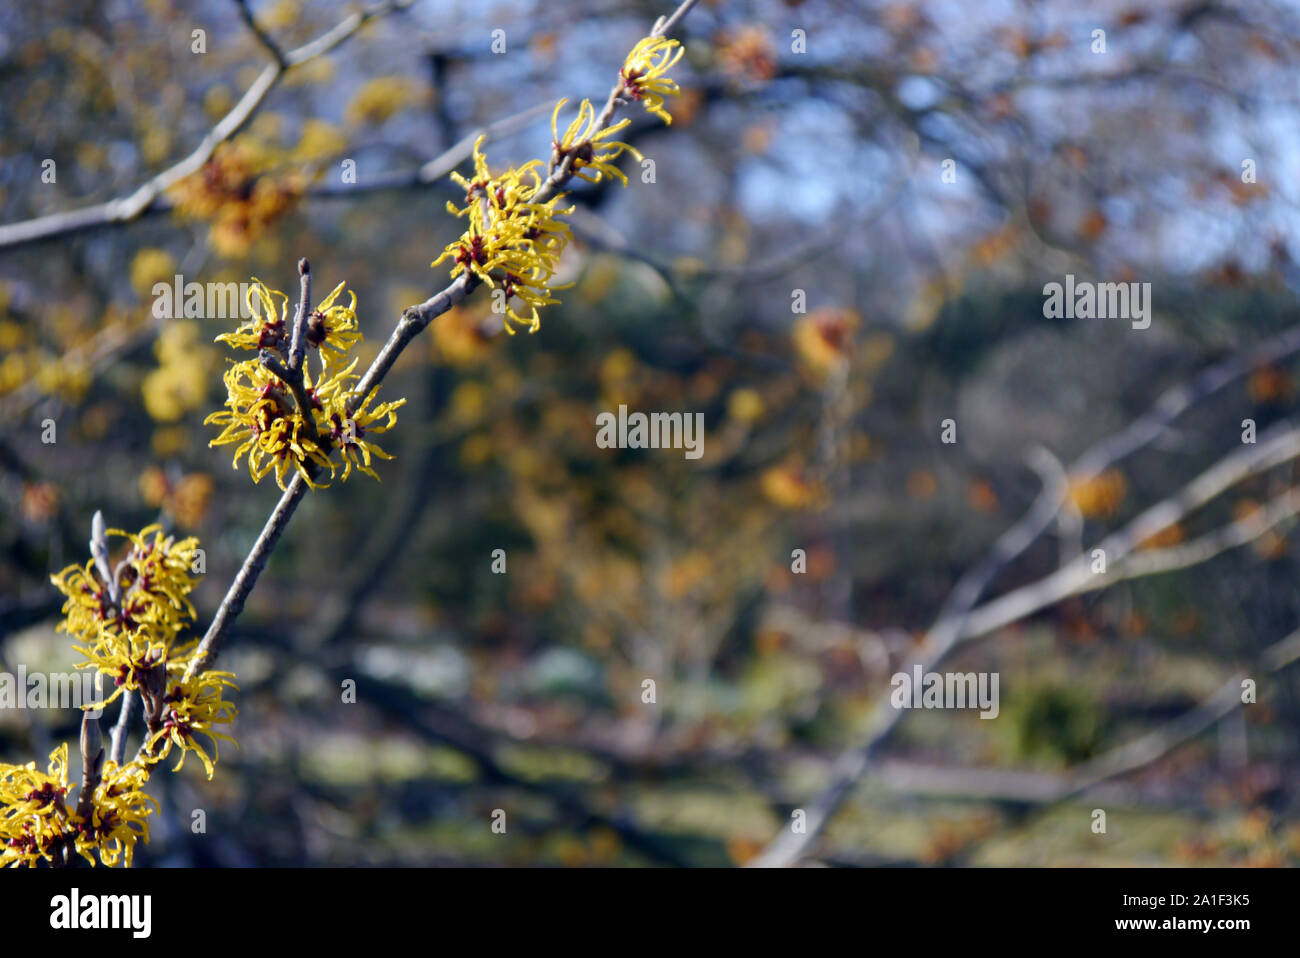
(436, 169)
(789, 846)
(298, 344)
(1155, 745)
(92, 769)
(126, 208)
(233, 603)
(117, 750)
(1172, 403)
(962, 621)
(1203, 548)
(413, 320)
(1077, 577)
(664, 27)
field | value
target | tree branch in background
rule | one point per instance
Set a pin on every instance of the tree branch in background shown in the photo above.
(126, 208)
(263, 37)
(962, 620)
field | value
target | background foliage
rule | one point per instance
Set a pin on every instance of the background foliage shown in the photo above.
(818, 171)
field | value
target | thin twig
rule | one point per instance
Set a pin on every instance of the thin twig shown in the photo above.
(1156, 744)
(414, 319)
(263, 37)
(298, 344)
(436, 169)
(664, 27)
(1078, 577)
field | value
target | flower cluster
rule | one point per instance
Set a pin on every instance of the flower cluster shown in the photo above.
(145, 594)
(287, 410)
(37, 826)
(511, 242)
(288, 421)
(128, 612)
(118, 815)
(34, 822)
(514, 238)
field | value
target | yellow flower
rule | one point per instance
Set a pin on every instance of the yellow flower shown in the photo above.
(1098, 496)
(262, 417)
(378, 100)
(745, 405)
(149, 266)
(329, 326)
(459, 338)
(191, 708)
(824, 340)
(510, 242)
(238, 193)
(790, 487)
(185, 499)
(152, 581)
(262, 414)
(268, 327)
(35, 823)
(180, 383)
(33, 817)
(123, 656)
(644, 72)
(589, 149)
(119, 815)
(748, 54)
(348, 431)
(333, 327)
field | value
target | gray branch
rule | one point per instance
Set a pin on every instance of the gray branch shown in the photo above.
(129, 207)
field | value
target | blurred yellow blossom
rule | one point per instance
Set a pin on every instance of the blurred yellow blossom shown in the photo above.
(180, 383)
(745, 405)
(459, 337)
(789, 487)
(238, 194)
(747, 54)
(151, 265)
(378, 100)
(823, 339)
(1098, 496)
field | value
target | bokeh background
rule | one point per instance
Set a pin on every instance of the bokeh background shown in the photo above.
(817, 168)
